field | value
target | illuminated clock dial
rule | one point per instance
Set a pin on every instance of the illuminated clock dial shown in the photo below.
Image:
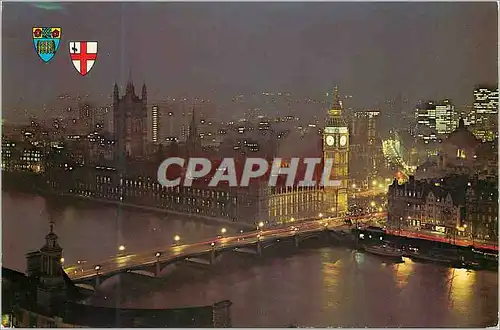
(330, 140)
(343, 140)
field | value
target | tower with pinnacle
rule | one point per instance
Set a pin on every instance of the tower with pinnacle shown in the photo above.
(45, 268)
(130, 122)
(336, 150)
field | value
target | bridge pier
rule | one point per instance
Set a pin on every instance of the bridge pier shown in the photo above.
(97, 282)
(212, 256)
(326, 236)
(158, 268)
(296, 240)
(259, 248)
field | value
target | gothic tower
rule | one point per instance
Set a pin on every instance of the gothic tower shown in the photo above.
(336, 150)
(130, 122)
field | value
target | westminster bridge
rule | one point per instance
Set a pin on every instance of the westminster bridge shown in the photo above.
(156, 262)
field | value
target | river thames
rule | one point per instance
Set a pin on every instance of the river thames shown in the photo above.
(317, 286)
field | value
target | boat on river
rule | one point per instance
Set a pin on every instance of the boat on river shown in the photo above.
(385, 250)
(418, 255)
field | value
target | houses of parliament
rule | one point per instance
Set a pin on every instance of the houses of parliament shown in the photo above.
(130, 176)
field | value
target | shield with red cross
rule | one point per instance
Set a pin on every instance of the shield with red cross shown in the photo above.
(83, 55)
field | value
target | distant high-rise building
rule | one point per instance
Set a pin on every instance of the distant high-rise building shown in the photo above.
(365, 155)
(130, 121)
(154, 123)
(445, 119)
(435, 119)
(485, 113)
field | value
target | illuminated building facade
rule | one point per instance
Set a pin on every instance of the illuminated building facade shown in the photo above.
(135, 182)
(154, 124)
(457, 205)
(445, 117)
(435, 119)
(486, 113)
(336, 148)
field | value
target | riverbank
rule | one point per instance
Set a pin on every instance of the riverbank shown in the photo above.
(455, 256)
(31, 190)
(148, 209)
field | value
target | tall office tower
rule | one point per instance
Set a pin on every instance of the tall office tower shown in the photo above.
(154, 129)
(130, 121)
(486, 113)
(336, 148)
(435, 119)
(425, 120)
(445, 117)
(365, 154)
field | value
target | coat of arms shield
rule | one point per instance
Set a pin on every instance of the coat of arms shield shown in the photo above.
(46, 41)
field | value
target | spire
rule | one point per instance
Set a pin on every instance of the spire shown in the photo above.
(336, 107)
(336, 103)
(193, 128)
(116, 94)
(144, 92)
(130, 84)
(193, 133)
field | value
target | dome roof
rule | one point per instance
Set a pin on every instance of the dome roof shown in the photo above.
(302, 145)
(462, 138)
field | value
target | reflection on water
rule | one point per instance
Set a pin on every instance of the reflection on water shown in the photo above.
(90, 232)
(461, 288)
(403, 271)
(330, 287)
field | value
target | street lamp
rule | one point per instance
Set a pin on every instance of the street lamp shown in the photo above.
(261, 224)
(292, 219)
(320, 215)
(97, 267)
(121, 248)
(177, 238)
(62, 260)
(157, 254)
(223, 230)
(372, 204)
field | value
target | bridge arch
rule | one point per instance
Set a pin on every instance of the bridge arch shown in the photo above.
(305, 237)
(85, 286)
(142, 272)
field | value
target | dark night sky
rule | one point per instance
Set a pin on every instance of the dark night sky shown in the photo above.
(371, 50)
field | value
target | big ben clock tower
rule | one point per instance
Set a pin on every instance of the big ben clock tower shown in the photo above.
(336, 148)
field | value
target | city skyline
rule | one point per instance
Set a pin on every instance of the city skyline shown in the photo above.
(250, 165)
(248, 48)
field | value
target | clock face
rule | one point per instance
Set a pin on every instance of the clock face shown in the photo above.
(343, 140)
(330, 140)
